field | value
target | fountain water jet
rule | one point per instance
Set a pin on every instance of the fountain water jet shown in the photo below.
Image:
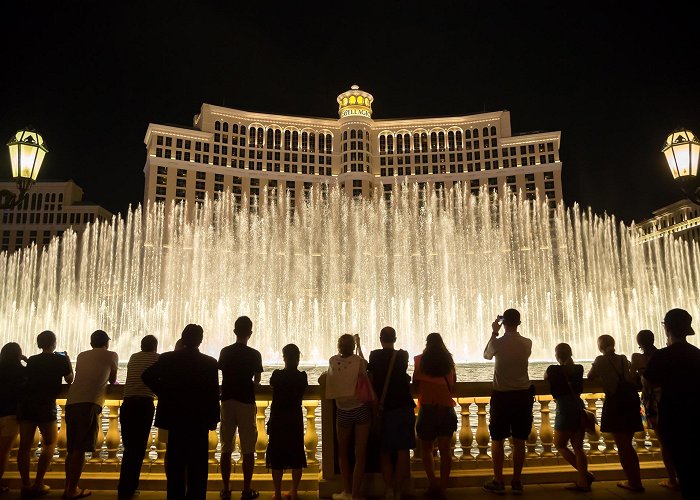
(442, 261)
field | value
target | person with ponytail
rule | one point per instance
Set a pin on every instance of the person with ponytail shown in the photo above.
(434, 376)
(621, 409)
(566, 385)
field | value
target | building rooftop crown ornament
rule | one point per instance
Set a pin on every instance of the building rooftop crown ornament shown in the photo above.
(355, 102)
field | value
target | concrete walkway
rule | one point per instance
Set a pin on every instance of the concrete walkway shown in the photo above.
(601, 490)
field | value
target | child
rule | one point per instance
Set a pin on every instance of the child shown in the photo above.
(285, 428)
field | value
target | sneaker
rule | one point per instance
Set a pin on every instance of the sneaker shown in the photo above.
(341, 496)
(495, 487)
(516, 487)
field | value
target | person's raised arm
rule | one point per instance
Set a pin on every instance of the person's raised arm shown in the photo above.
(358, 346)
(490, 350)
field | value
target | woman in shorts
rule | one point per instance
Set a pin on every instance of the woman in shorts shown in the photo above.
(344, 369)
(435, 378)
(12, 378)
(566, 385)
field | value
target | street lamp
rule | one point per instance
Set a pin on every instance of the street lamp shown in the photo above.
(27, 151)
(682, 151)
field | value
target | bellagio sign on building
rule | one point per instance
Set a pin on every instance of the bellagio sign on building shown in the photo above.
(253, 154)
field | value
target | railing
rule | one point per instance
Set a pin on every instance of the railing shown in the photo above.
(470, 445)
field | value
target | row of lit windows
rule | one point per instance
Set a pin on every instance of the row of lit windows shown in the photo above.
(47, 218)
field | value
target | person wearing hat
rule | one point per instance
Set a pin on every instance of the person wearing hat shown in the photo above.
(674, 370)
(94, 369)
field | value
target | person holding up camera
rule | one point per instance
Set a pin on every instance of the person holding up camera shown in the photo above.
(511, 400)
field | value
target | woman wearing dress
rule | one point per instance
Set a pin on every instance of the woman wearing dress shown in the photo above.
(344, 369)
(566, 384)
(621, 410)
(651, 398)
(435, 378)
(285, 428)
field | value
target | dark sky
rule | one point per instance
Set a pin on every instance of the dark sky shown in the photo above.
(615, 78)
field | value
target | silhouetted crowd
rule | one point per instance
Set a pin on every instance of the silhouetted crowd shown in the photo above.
(373, 400)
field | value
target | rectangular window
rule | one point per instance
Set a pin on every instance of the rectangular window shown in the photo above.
(162, 170)
(180, 193)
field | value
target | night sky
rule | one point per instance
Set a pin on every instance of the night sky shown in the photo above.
(614, 78)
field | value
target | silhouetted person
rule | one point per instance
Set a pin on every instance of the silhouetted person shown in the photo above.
(351, 414)
(136, 417)
(511, 400)
(566, 385)
(650, 400)
(435, 377)
(674, 369)
(186, 383)
(94, 369)
(45, 373)
(285, 428)
(398, 435)
(12, 380)
(621, 416)
(240, 366)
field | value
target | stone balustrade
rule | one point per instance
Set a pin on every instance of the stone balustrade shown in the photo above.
(471, 445)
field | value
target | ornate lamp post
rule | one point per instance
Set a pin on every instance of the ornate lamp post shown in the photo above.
(27, 151)
(682, 151)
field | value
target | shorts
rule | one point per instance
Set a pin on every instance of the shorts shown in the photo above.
(9, 426)
(398, 429)
(357, 416)
(82, 423)
(238, 416)
(511, 414)
(436, 421)
(38, 412)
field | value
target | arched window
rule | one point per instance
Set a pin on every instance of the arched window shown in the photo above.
(270, 134)
(278, 138)
(234, 128)
(390, 144)
(476, 133)
(260, 137)
(382, 144)
(441, 141)
(467, 134)
(242, 129)
(416, 142)
(485, 131)
(304, 141)
(295, 141)
(225, 126)
(451, 139)
(366, 136)
(287, 140)
(321, 142)
(424, 142)
(493, 130)
(433, 141)
(329, 143)
(353, 134)
(251, 138)
(312, 142)
(217, 125)
(458, 139)
(345, 135)
(399, 144)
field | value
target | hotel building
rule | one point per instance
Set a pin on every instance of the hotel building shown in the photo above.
(255, 154)
(680, 219)
(49, 209)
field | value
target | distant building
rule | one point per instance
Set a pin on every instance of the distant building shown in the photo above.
(49, 209)
(680, 219)
(253, 155)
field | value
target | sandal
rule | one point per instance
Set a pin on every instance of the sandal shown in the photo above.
(82, 493)
(666, 483)
(625, 485)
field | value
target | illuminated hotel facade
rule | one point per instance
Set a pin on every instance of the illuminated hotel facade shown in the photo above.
(254, 155)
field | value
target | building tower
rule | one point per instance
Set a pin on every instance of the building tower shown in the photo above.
(355, 176)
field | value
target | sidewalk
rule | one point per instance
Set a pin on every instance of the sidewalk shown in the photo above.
(555, 491)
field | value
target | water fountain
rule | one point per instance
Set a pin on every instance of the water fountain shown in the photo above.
(429, 261)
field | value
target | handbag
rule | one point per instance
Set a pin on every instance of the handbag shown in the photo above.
(626, 395)
(587, 419)
(377, 418)
(363, 389)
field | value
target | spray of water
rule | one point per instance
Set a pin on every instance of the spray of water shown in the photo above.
(429, 261)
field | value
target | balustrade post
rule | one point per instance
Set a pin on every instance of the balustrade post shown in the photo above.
(261, 444)
(161, 440)
(310, 434)
(593, 437)
(112, 438)
(546, 430)
(531, 443)
(640, 442)
(96, 453)
(609, 442)
(61, 440)
(482, 431)
(213, 444)
(655, 445)
(466, 436)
